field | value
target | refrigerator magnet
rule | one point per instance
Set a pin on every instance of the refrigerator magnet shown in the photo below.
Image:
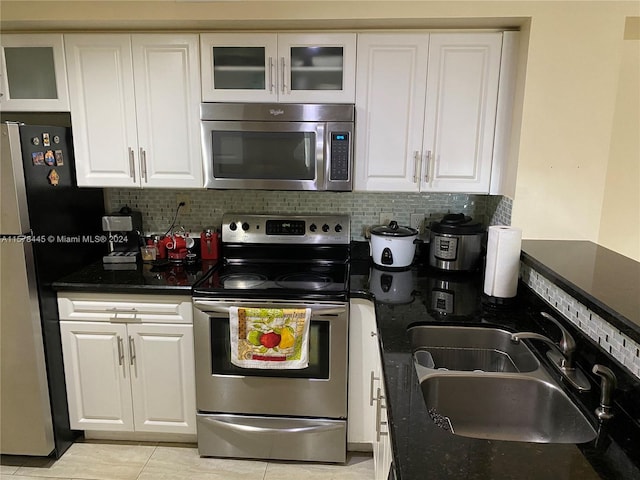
(53, 177)
(49, 158)
(37, 158)
(46, 142)
(35, 141)
(59, 158)
(56, 139)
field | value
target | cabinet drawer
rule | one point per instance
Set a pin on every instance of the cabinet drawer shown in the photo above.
(125, 308)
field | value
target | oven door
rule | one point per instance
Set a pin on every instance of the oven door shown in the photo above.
(264, 155)
(320, 390)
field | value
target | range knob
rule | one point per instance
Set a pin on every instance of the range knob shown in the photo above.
(233, 227)
(313, 227)
(245, 226)
(338, 228)
(325, 228)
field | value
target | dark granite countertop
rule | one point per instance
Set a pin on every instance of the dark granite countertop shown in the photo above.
(421, 450)
(609, 283)
(157, 277)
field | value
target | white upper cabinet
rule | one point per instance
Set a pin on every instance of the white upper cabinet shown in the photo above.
(135, 109)
(390, 100)
(426, 107)
(34, 77)
(278, 67)
(460, 114)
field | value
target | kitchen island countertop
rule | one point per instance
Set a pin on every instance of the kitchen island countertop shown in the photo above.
(605, 281)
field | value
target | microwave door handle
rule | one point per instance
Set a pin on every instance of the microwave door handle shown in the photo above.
(322, 151)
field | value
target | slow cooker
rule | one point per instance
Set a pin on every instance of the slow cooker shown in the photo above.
(456, 243)
(393, 246)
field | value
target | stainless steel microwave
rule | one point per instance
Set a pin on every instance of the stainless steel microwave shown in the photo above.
(276, 146)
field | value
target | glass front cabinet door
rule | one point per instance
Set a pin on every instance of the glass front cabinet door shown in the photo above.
(300, 68)
(33, 73)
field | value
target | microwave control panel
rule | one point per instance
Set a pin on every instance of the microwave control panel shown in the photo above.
(340, 156)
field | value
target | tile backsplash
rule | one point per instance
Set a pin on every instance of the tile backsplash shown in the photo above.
(608, 338)
(206, 207)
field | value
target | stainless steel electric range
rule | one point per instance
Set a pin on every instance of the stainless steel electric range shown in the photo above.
(275, 262)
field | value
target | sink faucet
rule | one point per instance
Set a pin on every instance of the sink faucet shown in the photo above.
(562, 354)
(608, 384)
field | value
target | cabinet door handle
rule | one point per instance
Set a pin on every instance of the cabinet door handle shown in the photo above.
(371, 381)
(143, 163)
(379, 422)
(120, 351)
(132, 350)
(271, 82)
(283, 75)
(132, 170)
(426, 173)
(417, 166)
(117, 310)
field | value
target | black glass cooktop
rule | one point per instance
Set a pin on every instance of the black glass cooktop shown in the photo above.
(277, 280)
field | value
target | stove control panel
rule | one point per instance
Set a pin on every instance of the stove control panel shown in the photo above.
(286, 229)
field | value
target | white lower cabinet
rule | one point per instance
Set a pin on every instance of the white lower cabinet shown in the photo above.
(382, 452)
(367, 417)
(129, 362)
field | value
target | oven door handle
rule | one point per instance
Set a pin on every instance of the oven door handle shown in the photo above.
(231, 425)
(218, 307)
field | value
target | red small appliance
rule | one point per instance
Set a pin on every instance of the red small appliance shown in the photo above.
(209, 244)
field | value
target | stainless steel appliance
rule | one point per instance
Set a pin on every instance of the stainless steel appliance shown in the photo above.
(451, 294)
(49, 228)
(124, 229)
(286, 414)
(456, 243)
(277, 146)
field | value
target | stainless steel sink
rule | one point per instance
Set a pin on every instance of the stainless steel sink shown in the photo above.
(477, 383)
(470, 348)
(504, 408)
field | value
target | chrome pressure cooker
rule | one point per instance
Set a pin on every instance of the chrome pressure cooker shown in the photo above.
(456, 243)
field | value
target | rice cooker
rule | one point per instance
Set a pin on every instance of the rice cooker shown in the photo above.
(393, 287)
(393, 246)
(456, 243)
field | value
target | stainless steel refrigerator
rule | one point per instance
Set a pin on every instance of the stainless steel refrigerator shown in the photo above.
(46, 224)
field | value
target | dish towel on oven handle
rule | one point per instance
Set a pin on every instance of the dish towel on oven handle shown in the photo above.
(269, 338)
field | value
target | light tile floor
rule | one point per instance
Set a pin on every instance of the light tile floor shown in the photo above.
(105, 460)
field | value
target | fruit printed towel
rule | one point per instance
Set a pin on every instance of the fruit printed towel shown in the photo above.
(269, 337)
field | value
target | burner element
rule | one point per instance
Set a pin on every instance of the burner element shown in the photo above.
(242, 280)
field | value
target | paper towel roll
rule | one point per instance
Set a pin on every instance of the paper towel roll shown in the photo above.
(503, 261)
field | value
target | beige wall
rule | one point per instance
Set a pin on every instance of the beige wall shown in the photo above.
(620, 224)
(576, 126)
